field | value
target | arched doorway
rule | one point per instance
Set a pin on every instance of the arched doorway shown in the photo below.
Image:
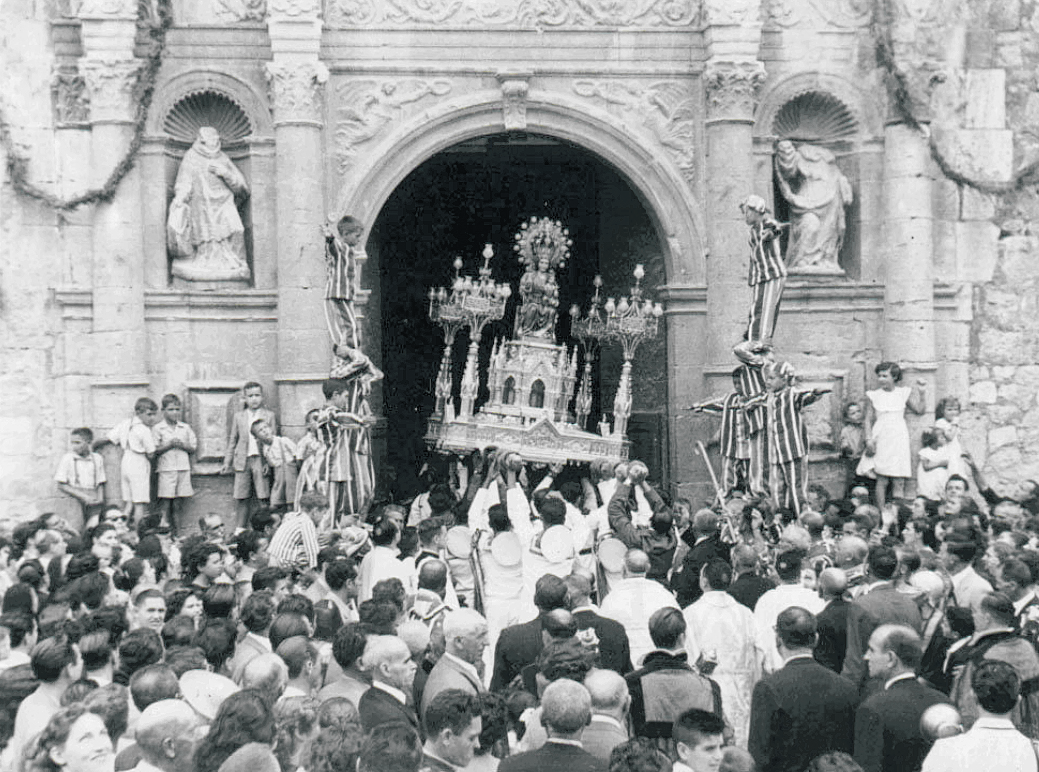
(479, 191)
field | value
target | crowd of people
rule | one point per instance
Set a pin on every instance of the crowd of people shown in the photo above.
(518, 617)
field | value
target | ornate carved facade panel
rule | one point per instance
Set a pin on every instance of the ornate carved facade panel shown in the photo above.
(514, 13)
(70, 98)
(295, 91)
(732, 90)
(111, 83)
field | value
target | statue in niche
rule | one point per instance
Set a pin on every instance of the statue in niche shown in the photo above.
(204, 230)
(818, 194)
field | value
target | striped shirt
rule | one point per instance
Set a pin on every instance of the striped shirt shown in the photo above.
(787, 433)
(340, 263)
(295, 542)
(750, 382)
(766, 261)
(733, 435)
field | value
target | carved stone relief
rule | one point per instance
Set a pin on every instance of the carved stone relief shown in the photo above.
(240, 10)
(840, 14)
(364, 108)
(668, 109)
(105, 9)
(294, 7)
(110, 83)
(731, 12)
(70, 98)
(295, 90)
(732, 89)
(523, 13)
(514, 101)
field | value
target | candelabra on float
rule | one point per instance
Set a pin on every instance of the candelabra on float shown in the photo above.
(630, 322)
(590, 332)
(471, 303)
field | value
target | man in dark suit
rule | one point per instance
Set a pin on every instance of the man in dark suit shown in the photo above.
(614, 649)
(832, 621)
(453, 724)
(519, 645)
(566, 709)
(749, 585)
(887, 725)
(704, 540)
(882, 604)
(802, 710)
(388, 660)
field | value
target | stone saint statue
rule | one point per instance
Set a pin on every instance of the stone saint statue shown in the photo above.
(818, 193)
(204, 230)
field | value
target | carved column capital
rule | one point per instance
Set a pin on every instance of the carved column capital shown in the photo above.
(295, 90)
(514, 89)
(732, 89)
(70, 98)
(110, 83)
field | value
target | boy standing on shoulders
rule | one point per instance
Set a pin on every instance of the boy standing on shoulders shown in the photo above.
(243, 453)
(138, 444)
(341, 251)
(81, 474)
(175, 441)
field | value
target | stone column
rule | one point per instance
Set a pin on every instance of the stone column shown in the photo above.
(908, 250)
(731, 89)
(110, 71)
(295, 79)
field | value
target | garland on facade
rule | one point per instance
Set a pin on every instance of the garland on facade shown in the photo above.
(144, 89)
(903, 101)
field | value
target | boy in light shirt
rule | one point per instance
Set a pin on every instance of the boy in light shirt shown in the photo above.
(81, 474)
(175, 441)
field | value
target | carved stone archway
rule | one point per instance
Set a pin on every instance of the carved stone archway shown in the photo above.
(677, 216)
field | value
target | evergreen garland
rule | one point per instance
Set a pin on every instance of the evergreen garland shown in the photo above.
(144, 89)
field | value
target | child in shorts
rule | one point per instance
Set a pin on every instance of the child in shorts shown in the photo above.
(175, 441)
(280, 455)
(138, 444)
(243, 453)
(81, 475)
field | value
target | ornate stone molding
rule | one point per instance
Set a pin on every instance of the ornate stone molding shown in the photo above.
(365, 108)
(70, 98)
(732, 89)
(523, 13)
(669, 109)
(813, 14)
(229, 11)
(514, 89)
(730, 12)
(110, 83)
(295, 90)
(107, 9)
(294, 8)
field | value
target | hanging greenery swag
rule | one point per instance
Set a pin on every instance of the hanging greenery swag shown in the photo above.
(144, 89)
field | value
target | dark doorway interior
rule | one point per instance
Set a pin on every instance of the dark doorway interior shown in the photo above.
(478, 193)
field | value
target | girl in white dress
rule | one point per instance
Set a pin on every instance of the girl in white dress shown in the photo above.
(888, 443)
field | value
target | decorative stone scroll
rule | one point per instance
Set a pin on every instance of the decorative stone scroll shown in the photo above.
(240, 10)
(514, 89)
(732, 90)
(730, 12)
(295, 90)
(367, 107)
(111, 83)
(294, 8)
(668, 108)
(838, 14)
(522, 13)
(70, 98)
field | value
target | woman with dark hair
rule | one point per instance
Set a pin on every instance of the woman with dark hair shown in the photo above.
(104, 539)
(74, 740)
(297, 722)
(202, 563)
(887, 454)
(217, 637)
(218, 602)
(242, 731)
(494, 735)
(186, 601)
(338, 740)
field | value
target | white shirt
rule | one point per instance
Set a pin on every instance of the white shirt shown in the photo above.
(393, 691)
(903, 677)
(382, 563)
(991, 745)
(970, 588)
(14, 659)
(632, 602)
(767, 611)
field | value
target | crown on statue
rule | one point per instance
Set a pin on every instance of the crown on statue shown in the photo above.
(543, 239)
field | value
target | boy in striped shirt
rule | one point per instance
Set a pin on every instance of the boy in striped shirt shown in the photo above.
(767, 274)
(787, 435)
(341, 252)
(295, 545)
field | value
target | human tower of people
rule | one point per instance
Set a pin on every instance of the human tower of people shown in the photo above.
(517, 616)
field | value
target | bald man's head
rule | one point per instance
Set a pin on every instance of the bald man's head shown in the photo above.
(166, 735)
(580, 587)
(559, 624)
(432, 575)
(833, 583)
(268, 673)
(851, 552)
(636, 563)
(609, 692)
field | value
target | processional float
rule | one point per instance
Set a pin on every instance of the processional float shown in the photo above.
(531, 377)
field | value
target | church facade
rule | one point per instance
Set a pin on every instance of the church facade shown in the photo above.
(443, 125)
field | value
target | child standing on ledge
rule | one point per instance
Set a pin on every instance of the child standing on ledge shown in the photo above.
(280, 455)
(243, 453)
(887, 435)
(175, 441)
(138, 444)
(81, 475)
